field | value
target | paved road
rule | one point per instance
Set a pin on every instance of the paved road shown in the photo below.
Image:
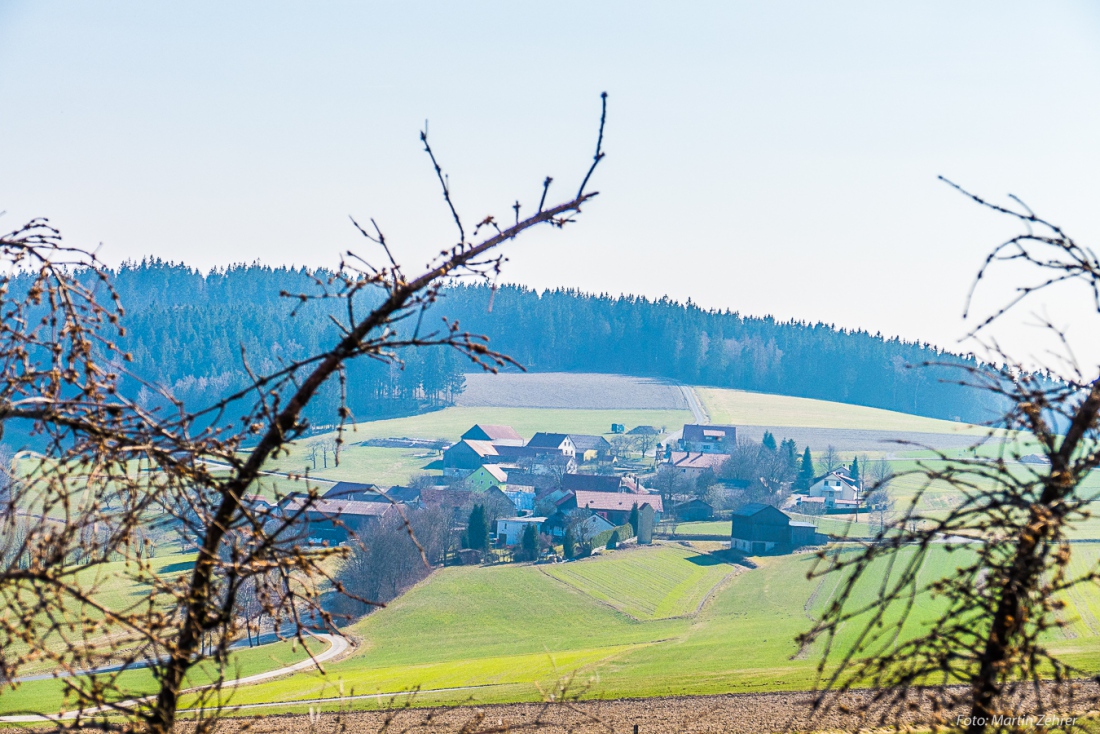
(337, 646)
(692, 398)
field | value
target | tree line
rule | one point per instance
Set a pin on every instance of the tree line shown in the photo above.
(198, 335)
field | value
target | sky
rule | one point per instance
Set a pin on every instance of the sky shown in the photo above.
(773, 158)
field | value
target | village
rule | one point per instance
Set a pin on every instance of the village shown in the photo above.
(560, 496)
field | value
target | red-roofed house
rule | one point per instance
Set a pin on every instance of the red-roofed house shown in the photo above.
(331, 521)
(612, 506)
(693, 464)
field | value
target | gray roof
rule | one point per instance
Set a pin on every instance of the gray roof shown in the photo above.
(750, 509)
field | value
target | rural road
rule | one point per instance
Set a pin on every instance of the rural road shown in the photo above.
(692, 398)
(337, 646)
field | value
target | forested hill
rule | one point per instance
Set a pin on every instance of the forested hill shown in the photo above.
(186, 329)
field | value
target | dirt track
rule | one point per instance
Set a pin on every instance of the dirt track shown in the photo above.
(732, 714)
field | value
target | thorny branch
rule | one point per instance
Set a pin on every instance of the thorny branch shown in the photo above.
(110, 480)
(955, 606)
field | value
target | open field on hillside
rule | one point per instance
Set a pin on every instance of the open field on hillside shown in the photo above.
(50, 694)
(646, 585)
(502, 632)
(589, 391)
(110, 586)
(737, 407)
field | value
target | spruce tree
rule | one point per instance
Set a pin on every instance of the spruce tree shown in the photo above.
(530, 543)
(477, 530)
(769, 442)
(567, 544)
(634, 519)
(790, 455)
(853, 470)
(805, 472)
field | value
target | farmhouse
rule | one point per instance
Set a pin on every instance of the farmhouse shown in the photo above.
(355, 491)
(590, 448)
(692, 465)
(510, 529)
(404, 495)
(708, 439)
(613, 506)
(501, 435)
(835, 486)
(459, 501)
(331, 522)
(467, 455)
(559, 442)
(485, 476)
(759, 528)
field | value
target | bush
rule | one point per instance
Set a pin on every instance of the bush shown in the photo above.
(613, 541)
(625, 532)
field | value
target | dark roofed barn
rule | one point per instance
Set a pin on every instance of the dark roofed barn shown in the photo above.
(757, 529)
(354, 491)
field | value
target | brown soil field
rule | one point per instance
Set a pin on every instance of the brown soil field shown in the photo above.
(569, 390)
(731, 714)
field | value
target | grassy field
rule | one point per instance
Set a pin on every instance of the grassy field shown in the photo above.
(510, 632)
(646, 584)
(737, 407)
(50, 695)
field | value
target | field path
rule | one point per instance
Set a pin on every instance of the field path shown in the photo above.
(696, 406)
(337, 646)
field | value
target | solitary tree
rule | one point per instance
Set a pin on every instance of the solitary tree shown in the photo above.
(768, 442)
(477, 529)
(568, 544)
(634, 518)
(853, 470)
(529, 543)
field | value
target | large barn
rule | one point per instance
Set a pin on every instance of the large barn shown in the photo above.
(759, 529)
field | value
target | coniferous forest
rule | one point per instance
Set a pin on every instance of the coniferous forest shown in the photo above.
(185, 331)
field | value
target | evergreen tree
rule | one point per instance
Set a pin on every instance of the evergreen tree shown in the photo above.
(567, 544)
(853, 470)
(477, 530)
(790, 455)
(530, 543)
(769, 442)
(805, 472)
(613, 541)
(634, 519)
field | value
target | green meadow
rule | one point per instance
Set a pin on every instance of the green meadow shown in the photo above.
(692, 624)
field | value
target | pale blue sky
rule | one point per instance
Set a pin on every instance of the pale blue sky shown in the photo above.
(769, 157)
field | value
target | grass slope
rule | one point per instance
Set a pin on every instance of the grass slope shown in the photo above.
(737, 407)
(512, 630)
(646, 583)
